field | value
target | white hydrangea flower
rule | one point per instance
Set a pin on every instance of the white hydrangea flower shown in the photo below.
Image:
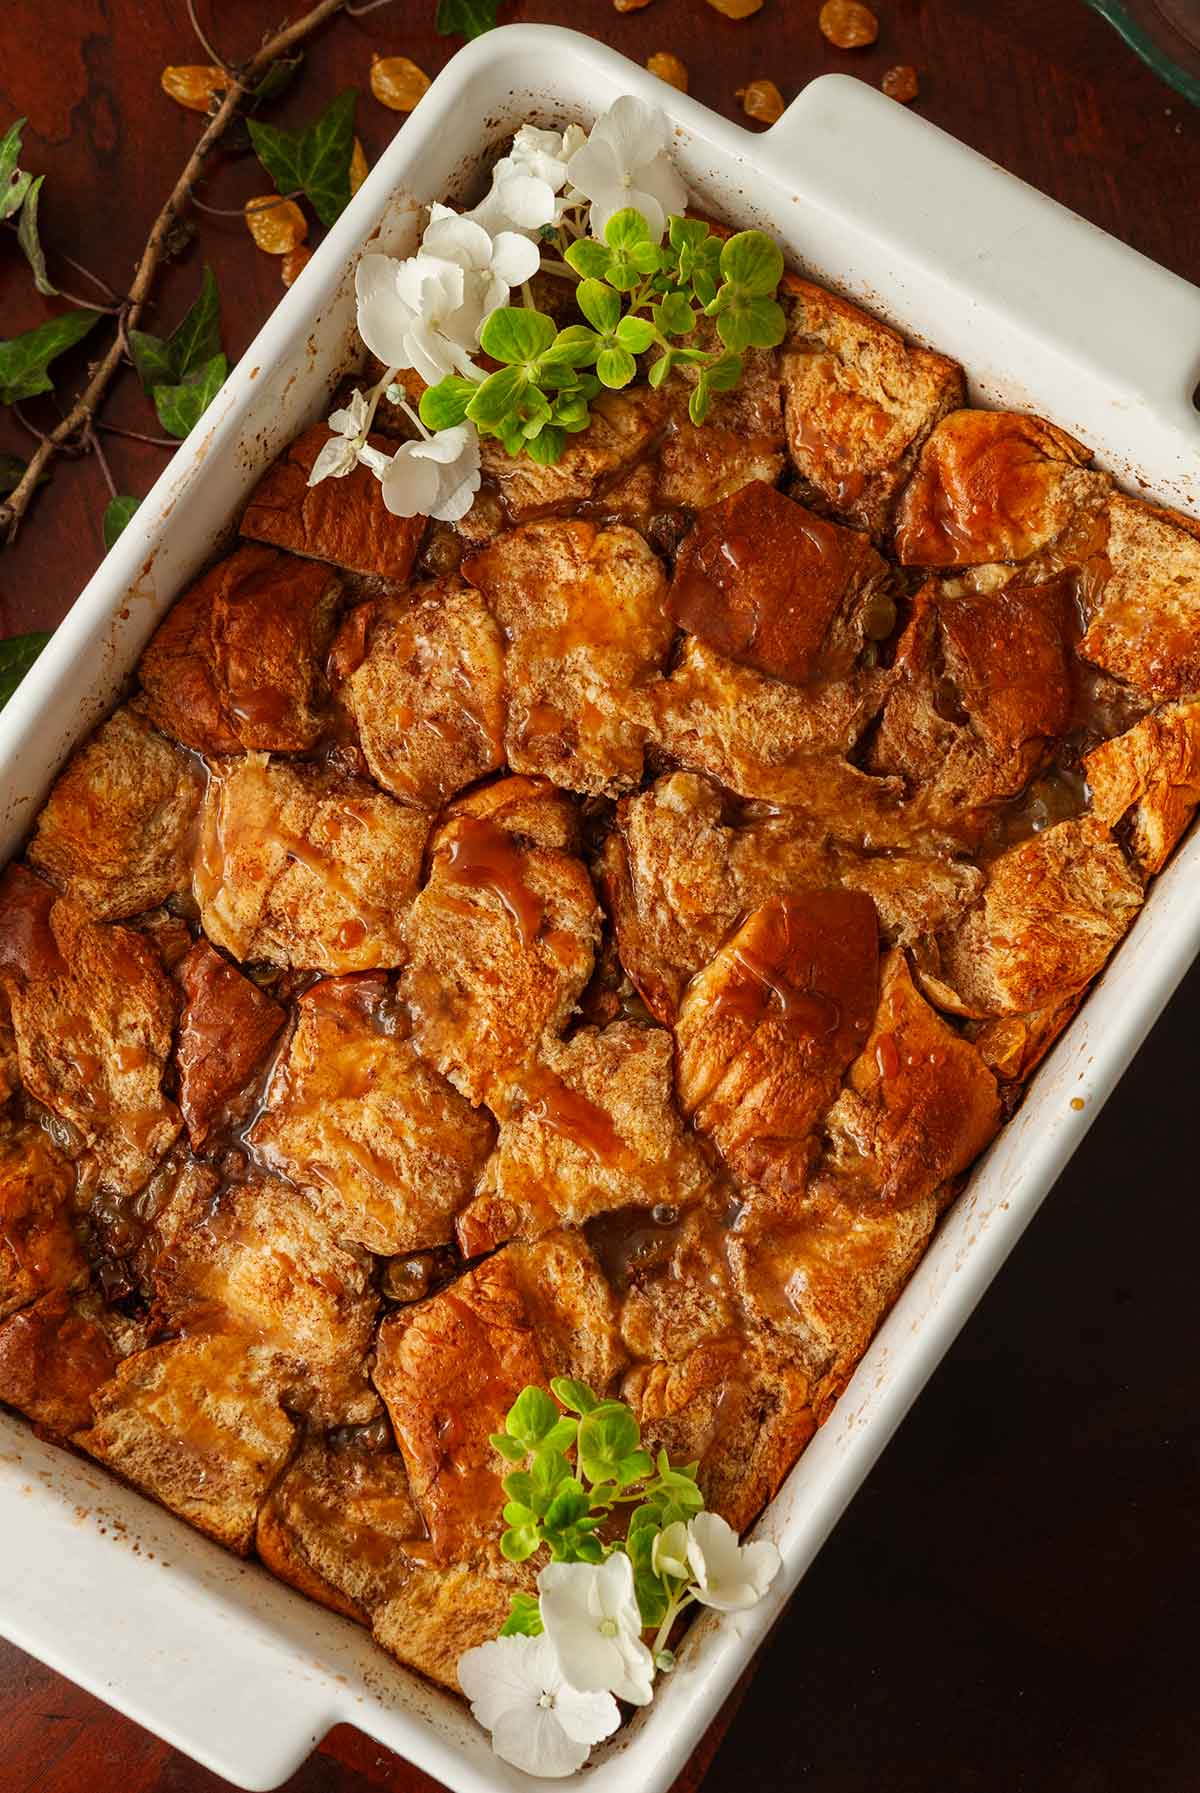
(435, 477)
(625, 163)
(591, 1615)
(538, 1722)
(668, 1553)
(729, 1576)
(527, 183)
(340, 455)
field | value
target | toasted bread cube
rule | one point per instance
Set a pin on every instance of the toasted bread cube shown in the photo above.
(93, 1039)
(450, 1367)
(1054, 908)
(39, 1251)
(583, 611)
(992, 486)
(225, 1029)
(197, 1423)
(28, 948)
(766, 1031)
(774, 587)
(1142, 599)
(501, 939)
(624, 427)
(670, 1278)
(589, 1128)
(858, 403)
(237, 661)
(388, 1149)
(1149, 778)
(919, 1103)
(426, 693)
(983, 687)
(342, 521)
(53, 1358)
(263, 1263)
(305, 866)
(439, 1613)
(115, 832)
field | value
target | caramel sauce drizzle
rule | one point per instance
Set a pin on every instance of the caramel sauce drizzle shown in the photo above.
(483, 857)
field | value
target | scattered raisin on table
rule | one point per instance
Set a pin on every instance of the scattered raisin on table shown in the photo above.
(293, 262)
(277, 225)
(736, 9)
(761, 100)
(900, 83)
(630, 5)
(195, 85)
(358, 167)
(668, 68)
(397, 82)
(848, 24)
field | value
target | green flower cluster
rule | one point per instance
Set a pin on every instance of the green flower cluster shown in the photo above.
(567, 1502)
(635, 296)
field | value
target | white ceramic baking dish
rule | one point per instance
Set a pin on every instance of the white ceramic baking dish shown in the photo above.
(1046, 312)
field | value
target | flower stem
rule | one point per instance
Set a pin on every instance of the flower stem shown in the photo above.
(678, 1602)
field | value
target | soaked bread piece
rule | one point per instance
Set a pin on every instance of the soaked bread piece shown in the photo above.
(260, 1262)
(502, 938)
(423, 680)
(994, 486)
(623, 429)
(1142, 598)
(450, 1367)
(39, 1251)
(305, 866)
(767, 1029)
(53, 1359)
(387, 1148)
(115, 834)
(237, 660)
(93, 1026)
(225, 1029)
(343, 521)
(1149, 780)
(858, 403)
(584, 615)
(197, 1423)
(773, 586)
(590, 1127)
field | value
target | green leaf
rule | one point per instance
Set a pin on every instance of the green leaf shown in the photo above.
(660, 368)
(13, 184)
(277, 79)
(181, 407)
(467, 18)
(615, 367)
(576, 346)
(673, 315)
(514, 333)
(635, 334)
(606, 1435)
(561, 1435)
(626, 228)
(194, 342)
(634, 1468)
(316, 159)
(550, 1468)
(515, 1512)
(519, 1542)
(589, 258)
(17, 655)
(444, 406)
(25, 359)
(751, 323)
(753, 262)
(529, 1419)
(524, 1617)
(589, 1550)
(570, 1503)
(599, 305)
(12, 472)
(30, 242)
(117, 513)
(723, 375)
(151, 359)
(698, 403)
(509, 1448)
(518, 1485)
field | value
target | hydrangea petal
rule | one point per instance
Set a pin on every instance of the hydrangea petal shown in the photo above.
(383, 316)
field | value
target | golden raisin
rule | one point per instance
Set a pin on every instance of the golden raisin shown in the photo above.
(736, 9)
(358, 167)
(277, 225)
(294, 262)
(901, 83)
(848, 24)
(761, 100)
(630, 5)
(397, 83)
(195, 85)
(668, 68)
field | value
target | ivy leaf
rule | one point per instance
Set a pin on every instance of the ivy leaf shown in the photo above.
(151, 358)
(25, 359)
(181, 407)
(195, 341)
(316, 159)
(513, 334)
(279, 76)
(524, 1617)
(117, 513)
(17, 655)
(444, 406)
(600, 305)
(13, 184)
(27, 237)
(467, 18)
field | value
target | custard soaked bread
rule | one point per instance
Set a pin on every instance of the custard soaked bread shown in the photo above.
(594, 937)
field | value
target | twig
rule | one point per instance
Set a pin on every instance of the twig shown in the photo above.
(78, 420)
(93, 442)
(247, 210)
(74, 298)
(205, 44)
(87, 274)
(115, 429)
(359, 12)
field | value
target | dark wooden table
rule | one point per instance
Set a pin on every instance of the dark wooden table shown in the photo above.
(1009, 1606)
